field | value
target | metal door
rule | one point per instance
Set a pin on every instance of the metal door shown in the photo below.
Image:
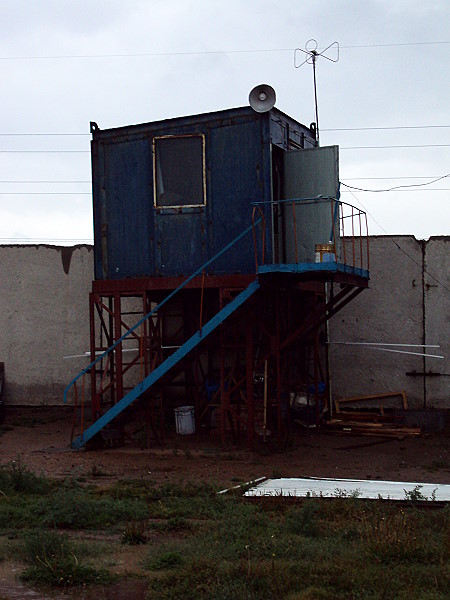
(310, 214)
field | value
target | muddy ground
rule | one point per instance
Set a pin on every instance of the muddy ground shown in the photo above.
(41, 437)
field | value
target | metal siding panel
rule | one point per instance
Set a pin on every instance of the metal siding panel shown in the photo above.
(128, 209)
(238, 173)
(97, 175)
(181, 242)
(236, 180)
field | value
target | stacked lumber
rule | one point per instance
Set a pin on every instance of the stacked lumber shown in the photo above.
(352, 417)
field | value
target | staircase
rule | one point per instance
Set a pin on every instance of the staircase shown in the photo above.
(165, 366)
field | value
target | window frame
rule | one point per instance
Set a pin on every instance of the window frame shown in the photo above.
(178, 207)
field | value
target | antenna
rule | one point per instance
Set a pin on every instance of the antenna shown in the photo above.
(311, 56)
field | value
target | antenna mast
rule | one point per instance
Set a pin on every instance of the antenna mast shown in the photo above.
(311, 57)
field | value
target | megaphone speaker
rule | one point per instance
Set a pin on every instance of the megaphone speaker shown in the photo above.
(262, 98)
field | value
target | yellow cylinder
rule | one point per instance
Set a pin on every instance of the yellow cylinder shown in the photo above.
(325, 253)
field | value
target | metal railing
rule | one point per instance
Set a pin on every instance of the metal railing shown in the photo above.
(303, 222)
(131, 330)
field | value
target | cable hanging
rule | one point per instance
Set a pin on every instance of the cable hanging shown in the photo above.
(397, 187)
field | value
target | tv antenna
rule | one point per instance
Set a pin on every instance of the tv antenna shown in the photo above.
(311, 57)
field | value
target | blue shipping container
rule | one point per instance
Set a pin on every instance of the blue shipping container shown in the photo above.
(169, 195)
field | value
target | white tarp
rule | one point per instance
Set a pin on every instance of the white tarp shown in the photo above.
(360, 488)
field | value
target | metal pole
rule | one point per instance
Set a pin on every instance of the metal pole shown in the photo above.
(327, 351)
(314, 57)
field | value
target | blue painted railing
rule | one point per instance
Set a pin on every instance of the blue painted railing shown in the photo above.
(152, 312)
(165, 366)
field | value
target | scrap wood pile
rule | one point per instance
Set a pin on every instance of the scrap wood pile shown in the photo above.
(370, 415)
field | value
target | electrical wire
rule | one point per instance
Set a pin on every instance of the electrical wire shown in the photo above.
(210, 52)
(34, 181)
(391, 128)
(388, 128)
(45, 151)
(390, 178)
(421, 266)
(392, 146)
(63, 181)
(45, 193)
(45, 240)
(397, 187)
(340, 148)
(398, 191)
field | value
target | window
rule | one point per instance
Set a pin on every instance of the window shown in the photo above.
(178, 171)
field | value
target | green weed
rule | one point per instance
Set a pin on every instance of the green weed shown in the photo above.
(135, 532)
(168, 559)
(53, 561)
(16, 477)
(216, 547)
(80, 508)
(303, 520)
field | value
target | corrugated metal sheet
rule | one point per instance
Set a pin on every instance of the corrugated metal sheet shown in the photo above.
(360, 488)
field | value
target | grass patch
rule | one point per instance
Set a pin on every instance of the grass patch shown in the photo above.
(135, 532)
(16, 477)
(211, 547)
(276, 550)
(165, 560)
(54, 561)
(81, 508)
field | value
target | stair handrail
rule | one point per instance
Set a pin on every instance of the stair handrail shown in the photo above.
(158, 307)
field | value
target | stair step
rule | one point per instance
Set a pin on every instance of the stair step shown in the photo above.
(170, 362)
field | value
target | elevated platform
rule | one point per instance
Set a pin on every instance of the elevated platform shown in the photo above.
(323, 272)
(302, 272)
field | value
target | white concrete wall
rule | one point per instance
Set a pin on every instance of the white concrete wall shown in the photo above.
(392, 311)
(44, 316)
(437, 319)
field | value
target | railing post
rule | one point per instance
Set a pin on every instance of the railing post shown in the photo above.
(367, 239)
(118, 350)
(295, 232)
(344, 245)
(353, 237)
(360, 241)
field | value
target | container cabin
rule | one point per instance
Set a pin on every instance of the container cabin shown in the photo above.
(221, 250)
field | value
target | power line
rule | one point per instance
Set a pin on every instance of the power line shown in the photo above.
(209, 52)
(45, 193)
(34, 181)
(421, 266)
(45, 151)
(397, 187)
(394, 190)
(393, 128)
(90, 193)
(381, 128)
(44, 181)
(43, 134)
(388, 128)
(396, 44)
(47, 240)
(389, 178)
(341, 148)
(393, 146)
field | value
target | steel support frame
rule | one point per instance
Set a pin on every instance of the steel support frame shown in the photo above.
(238, 350)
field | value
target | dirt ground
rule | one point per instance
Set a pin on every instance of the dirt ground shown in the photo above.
(41, 437)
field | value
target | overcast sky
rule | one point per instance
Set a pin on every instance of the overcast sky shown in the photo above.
(117, 62)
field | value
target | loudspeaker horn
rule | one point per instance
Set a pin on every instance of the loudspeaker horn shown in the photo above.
(262, 98)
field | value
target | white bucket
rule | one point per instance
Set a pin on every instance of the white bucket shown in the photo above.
(184, 420)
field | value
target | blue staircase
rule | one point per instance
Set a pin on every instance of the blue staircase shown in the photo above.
(164, 367)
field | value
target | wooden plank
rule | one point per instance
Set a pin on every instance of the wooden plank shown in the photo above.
(371, 397)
